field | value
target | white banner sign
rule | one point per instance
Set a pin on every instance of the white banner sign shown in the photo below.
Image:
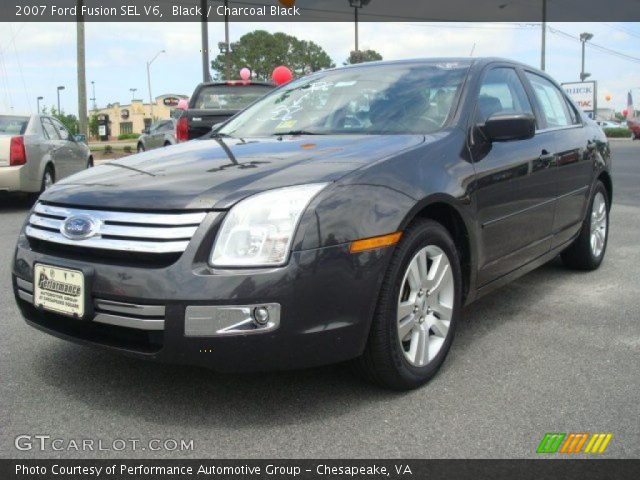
(582, 93)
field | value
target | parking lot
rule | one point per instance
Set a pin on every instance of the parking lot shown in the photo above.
(556, 351)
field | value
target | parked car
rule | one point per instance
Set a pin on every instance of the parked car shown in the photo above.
(36, 151)
(610, 124)
(348, 215)
(215, 102)
(159, 134)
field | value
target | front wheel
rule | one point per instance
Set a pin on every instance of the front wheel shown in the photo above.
(417, 311)
(587, 250)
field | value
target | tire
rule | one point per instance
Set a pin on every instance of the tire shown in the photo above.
(140, 148)
(48, 179)
(167, 144)
(582, 254)
(90, 162)
(385, 360)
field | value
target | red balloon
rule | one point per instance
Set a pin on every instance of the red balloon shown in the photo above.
(281, 75)
(624, 112)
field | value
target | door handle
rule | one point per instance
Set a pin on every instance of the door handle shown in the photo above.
(546, 159)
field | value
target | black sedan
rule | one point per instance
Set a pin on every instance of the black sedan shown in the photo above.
(348, 215)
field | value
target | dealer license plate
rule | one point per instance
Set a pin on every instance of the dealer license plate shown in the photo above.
(59, 290)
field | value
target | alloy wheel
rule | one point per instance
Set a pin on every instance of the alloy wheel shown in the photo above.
(598, 224)
(425, 305)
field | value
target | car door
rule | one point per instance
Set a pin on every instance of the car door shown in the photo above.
(55, 146)
(514, 189)
(68, 155)
(575, 152)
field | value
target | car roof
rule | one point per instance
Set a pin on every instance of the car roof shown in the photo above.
(470, 61)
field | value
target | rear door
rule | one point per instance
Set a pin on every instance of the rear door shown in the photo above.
(515, 184)
(56, 147)
(68, 154)
(575, 153)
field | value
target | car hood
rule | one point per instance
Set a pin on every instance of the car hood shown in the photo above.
(216, 173)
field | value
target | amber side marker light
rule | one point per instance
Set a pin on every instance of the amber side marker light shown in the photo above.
(374, 242)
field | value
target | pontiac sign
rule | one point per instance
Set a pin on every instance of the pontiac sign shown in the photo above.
(583, 94)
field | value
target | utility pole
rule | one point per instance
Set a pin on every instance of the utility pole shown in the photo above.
(205, 42)
(543, 52)
(82, 80)
(584, 38)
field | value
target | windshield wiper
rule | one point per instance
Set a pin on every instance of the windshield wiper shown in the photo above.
(296, 132)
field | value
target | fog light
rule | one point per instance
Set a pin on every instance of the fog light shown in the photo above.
(261, 315)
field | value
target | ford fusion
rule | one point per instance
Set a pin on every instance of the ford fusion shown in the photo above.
(348, 215)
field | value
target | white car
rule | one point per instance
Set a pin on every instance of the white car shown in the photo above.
(36, 151)
(610, 124)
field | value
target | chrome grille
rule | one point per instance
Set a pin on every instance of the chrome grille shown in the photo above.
(120, 231)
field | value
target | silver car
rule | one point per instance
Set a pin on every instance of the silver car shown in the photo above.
(160, 134)
(36, 151)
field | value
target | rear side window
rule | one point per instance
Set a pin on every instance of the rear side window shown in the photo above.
(501, 91)
(228, 97)
(13, 125)
(49, 130)
(552, 102)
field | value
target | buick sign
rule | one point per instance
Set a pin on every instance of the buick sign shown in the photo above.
(80, 227)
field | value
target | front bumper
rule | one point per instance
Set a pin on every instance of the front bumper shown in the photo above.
(326, 299)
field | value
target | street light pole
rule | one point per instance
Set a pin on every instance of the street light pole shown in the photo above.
(584, 38)
(543, 47)
(227, 55)
(61, 87)
(149, 80)
(93, 90)
(133, 92)
(204, 47)
(39, 98)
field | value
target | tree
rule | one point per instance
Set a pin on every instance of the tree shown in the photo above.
(69, 121)
(93, 126)
(261, 52)
(362, 56)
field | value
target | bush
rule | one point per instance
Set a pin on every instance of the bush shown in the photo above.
(127, 149)
(617, 132)
(128, 136)
(107, 149)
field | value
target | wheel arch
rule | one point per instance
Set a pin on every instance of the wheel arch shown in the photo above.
(444, 210)
(605, 178)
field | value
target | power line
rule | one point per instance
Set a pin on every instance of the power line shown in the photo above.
(595, 46)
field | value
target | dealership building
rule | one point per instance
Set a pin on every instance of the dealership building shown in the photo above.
(118, 119)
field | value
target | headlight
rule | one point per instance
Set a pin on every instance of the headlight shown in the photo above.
(258, 231)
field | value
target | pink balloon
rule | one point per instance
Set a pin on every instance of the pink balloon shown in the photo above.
(245, 73)
(281, 75)
(183, 104)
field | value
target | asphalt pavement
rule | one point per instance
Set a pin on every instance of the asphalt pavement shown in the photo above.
(556, 351)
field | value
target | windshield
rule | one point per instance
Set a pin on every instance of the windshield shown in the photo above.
(378, 99)
(13, 125)
(228, 97)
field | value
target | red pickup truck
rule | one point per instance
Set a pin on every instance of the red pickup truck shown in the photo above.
(215, 102)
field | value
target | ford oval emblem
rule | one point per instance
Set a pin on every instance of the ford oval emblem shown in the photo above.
(80, 227)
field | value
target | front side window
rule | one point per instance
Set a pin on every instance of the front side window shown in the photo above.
(551, 100)
(501, 91)
(389, 99)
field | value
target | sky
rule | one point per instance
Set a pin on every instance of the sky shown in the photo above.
(37, 57)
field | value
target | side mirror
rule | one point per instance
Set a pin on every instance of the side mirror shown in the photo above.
(502, 127)
(145, 131)
(216, 126)
(80, 138)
